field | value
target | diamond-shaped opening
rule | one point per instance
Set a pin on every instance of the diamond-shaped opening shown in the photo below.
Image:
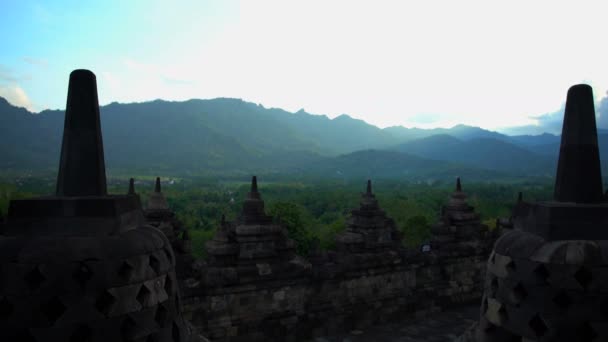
(143, 296)
(175, 332)
(503, 314)
(34, 278)
(25, 336)
(161, 315)
(127, 328)
(126, 270)
(562, 300)
(6, 308)
(154, 263)
(168, 285)
(586, 333)
(493, 287)
(538, 326)
(82, 333)
(510, 266)
(53, 309)
(584, 277)
(82, 274)
(493, 258)
(542, 274)
(105, 302)
(519, 293)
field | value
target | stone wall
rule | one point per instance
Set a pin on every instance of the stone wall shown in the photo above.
(254, 288)
(339, 293)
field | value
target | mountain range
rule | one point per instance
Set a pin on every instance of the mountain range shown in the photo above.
(230, 137)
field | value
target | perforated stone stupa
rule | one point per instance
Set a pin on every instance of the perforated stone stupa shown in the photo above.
(458, 222)
(546, 280)
(252, 248)
(368, 228)
(159, 215)
(81, 265)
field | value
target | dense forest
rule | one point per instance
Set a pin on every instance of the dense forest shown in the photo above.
(312, 212)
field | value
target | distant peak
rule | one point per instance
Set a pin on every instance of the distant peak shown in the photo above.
(343, 116)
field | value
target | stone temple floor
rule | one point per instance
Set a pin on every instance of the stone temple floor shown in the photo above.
(444, 326)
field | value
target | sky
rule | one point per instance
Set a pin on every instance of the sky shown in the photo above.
(493, 64)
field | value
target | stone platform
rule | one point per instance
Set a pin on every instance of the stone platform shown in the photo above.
(443, 326)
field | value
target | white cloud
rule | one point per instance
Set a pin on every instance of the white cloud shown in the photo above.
(16, 96)
(415, 63)
(40, 62)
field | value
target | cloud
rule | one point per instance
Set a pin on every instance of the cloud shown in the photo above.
(35, 61)
(602, 112)
(16, 96)
(552, 122)
(7, 75)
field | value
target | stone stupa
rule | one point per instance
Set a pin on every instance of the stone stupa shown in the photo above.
(81, 265)
(253, 248)
(547, 279)
(368, 229)
(459, 230)
(159, 215)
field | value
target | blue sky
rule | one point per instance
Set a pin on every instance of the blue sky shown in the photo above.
(434, 63)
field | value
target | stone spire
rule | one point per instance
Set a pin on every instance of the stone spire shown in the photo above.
(157, 185)
(81, 167)
(579, 175)
(369, 229)
(131, 186)
(157, 200)
(520, 197)
(89, 267)
(458, 221)
(255, 246)
(458, 197)
(544, 279)
(254, 188)
(253, 206)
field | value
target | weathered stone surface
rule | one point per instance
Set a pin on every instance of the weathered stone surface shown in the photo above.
(266, 293)
(159, 215)
(83, 265)
(546, 279)
(459, 230)
(368, 228)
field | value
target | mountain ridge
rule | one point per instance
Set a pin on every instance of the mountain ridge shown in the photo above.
(232, 136)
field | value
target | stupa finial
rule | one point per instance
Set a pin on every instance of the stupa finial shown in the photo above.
(579, 175)
(131, 186)
(369, 187)
(82, 169)
(157, 185)
(254, 184)
(458, 185)
(253, 193)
